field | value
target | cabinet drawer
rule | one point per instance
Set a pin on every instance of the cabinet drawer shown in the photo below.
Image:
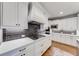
(29, 50)
(26, 51)
(11, 53)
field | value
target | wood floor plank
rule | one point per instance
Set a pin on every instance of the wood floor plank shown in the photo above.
(62, 47)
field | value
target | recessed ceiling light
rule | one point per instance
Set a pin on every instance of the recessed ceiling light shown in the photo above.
(60, 12)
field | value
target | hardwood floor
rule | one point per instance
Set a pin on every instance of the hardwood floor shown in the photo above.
(62, 49)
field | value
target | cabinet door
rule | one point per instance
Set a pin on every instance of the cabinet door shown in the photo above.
(73, 41)
(42, 45)
(9, 14)
(38, 48)
(47, 44)
(22, 14)
(54, 36)
(30, 51)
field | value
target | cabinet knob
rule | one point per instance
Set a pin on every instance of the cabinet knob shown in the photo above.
(24, 54)
(21, 55)
(22, 49)
(17, 24)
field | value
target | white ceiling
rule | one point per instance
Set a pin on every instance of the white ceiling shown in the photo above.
(55, 8)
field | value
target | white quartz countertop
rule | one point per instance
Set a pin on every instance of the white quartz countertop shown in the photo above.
(46, 34)
(14, 44)
(67, 34)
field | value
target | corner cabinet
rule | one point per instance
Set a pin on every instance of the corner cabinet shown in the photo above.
(14, 14)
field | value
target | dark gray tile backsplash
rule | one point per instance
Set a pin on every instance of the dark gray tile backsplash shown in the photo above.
(11, 34)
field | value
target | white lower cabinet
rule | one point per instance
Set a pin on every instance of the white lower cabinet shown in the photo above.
(27, 50)
(22, 51)
(37, 48)
(30, 50)
(15, 52)
(70, 40)
(42, 46)
(66, 39)
(73, 41)
(47, 44)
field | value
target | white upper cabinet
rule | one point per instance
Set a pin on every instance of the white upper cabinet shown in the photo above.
(22, 14)
(15, 14)
(9, 14)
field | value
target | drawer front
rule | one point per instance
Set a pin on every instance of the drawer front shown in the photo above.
(26, 51)
(11, 53)
(22, 51)
(30, 50)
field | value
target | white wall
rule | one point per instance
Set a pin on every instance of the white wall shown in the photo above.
(68, 24)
